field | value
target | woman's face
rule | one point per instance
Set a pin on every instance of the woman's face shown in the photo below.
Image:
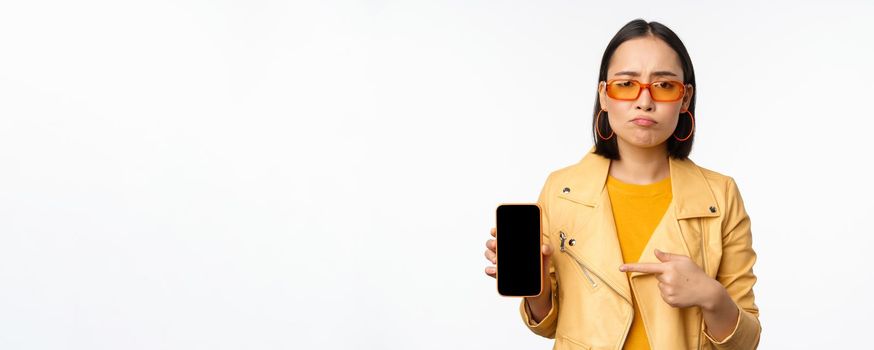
(644, 59)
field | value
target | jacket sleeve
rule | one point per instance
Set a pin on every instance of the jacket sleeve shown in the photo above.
(736, 274)
(546, 327)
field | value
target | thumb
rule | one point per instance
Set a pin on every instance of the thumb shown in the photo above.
(546, 250)
(662, 256)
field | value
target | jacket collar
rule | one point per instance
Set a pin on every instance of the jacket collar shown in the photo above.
(597, 243)
(691, 193)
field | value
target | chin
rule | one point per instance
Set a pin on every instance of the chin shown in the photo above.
(645, 142)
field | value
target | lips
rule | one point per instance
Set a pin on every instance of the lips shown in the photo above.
(643, 121)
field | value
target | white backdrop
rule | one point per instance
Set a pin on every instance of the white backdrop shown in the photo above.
(323, 175)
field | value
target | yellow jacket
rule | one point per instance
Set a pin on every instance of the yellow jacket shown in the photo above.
(591, 298)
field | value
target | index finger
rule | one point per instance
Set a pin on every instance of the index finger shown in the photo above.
(643, 267)
(494, 232)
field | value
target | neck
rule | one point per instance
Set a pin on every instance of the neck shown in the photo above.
(641, 165)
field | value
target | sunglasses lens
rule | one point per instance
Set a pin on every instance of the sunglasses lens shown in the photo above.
(623, 89)
(666, 91)
(659, 90)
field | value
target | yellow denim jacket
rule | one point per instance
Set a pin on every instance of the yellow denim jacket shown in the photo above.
(591, 298)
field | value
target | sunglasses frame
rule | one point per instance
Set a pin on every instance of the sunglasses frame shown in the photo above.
(642, 86)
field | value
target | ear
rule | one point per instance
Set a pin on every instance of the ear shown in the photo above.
(687, 97)
(602, 94)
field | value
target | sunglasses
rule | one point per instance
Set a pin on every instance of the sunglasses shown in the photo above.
(660, 91)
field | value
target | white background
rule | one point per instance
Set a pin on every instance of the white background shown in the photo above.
(323, 175)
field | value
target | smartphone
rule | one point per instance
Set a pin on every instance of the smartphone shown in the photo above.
(518, 251)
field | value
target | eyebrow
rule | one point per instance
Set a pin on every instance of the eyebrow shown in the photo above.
(661, 73)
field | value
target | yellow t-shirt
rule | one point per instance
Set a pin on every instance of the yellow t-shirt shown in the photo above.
(637, 210)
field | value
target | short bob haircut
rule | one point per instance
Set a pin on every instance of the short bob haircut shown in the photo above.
(636, 29)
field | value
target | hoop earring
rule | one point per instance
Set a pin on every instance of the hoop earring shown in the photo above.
(690, 131)
(598, 128)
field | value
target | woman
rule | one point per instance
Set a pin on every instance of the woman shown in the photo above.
(653, 251)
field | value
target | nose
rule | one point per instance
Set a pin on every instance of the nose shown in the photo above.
(644, 101)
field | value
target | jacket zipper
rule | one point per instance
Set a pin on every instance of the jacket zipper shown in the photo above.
(563, 236)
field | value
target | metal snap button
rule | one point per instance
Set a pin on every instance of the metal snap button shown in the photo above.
(572, 241)
(566, 190)
(712, 209)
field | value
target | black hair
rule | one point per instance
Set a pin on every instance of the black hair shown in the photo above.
(636, 29)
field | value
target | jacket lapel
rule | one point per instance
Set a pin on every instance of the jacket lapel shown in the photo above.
(692, 198)
(597, 243)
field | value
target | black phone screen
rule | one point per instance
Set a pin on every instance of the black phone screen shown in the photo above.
(518, 250)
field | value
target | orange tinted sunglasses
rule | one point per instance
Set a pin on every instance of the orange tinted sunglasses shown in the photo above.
(660, 90)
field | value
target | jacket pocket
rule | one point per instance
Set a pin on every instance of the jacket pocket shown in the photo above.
(572, 344)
